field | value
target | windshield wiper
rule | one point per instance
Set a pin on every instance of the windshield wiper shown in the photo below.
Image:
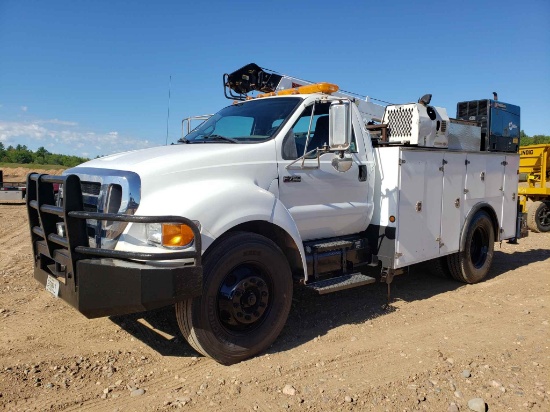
(219, 137)
(183, 140)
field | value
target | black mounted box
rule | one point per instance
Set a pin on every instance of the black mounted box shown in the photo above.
(500, 123)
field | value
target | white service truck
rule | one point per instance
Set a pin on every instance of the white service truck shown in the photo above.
(300, 184)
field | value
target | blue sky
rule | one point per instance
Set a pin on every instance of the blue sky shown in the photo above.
(91, 78)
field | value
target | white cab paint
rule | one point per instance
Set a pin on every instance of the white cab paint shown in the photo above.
(325, 202)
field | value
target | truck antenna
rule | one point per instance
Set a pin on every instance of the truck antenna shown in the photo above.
(168, 116)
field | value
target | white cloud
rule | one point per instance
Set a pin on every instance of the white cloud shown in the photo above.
(24, 108)
(57, 121)
(68, 139)
(9, 130)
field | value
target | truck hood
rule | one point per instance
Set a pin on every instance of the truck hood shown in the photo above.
(184, 157)
(160, 165)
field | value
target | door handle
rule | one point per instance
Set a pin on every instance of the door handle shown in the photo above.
(362, 173)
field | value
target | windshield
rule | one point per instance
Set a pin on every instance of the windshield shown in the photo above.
(246, 122)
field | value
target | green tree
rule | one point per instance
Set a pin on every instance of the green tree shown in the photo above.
(536, 139)
(21, 154)
(541, 139)
(40, 155)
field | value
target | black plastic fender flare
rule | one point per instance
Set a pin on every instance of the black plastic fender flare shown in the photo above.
(476, 208)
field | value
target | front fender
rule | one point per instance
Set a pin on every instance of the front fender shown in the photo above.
(220, 205)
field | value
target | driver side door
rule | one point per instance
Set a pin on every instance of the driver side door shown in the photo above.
(322, 201)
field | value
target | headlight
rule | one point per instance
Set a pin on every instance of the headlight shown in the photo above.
(170, 235)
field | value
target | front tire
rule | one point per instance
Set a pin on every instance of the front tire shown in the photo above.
(472, 264)
(246, 298)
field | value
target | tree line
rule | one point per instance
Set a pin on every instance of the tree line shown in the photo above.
(525, 140)
(22, 155)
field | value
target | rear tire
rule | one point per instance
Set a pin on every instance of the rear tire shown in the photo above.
(538, 217)
(472, 264)
(439, 267)
(246, 298)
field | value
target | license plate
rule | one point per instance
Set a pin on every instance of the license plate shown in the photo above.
(52, 285)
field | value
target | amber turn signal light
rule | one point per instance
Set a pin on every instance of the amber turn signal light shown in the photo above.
(176, 235)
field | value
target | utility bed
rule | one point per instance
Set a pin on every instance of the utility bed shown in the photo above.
(429, 193)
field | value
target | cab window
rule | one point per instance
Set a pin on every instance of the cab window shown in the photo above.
(295, 140)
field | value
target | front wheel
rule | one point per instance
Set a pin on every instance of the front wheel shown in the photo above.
(472, 264)
(246, 298)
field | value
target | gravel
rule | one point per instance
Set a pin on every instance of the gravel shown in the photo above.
(137, 392)
(477, 405)
(289, 390)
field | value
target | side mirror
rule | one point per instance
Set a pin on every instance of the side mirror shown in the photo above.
(340, 125)
(342, 164)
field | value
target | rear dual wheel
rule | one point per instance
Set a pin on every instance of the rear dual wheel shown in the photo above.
(246, 298)
(472, 264)
(438, 267)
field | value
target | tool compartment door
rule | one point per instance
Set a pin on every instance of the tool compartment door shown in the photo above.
(452, 215)
(419, 207)
(484, 180)
(510, 195)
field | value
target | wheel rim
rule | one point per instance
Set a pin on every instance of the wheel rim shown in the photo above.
(244, 298)
(479, 247)
(543, 216)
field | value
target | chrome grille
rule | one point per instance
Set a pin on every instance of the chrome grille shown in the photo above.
(107, 191)
(92, 188)
(90, 195)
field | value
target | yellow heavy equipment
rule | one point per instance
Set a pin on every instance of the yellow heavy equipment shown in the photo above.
(534, 168)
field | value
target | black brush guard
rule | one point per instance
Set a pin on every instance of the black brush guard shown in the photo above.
(102, 282)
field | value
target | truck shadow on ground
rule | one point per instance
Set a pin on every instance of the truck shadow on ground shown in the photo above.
(313, 315)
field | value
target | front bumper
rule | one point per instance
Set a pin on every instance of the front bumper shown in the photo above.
(115, 287)
(102, 282)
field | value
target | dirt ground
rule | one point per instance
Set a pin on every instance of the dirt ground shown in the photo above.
(439, 344)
